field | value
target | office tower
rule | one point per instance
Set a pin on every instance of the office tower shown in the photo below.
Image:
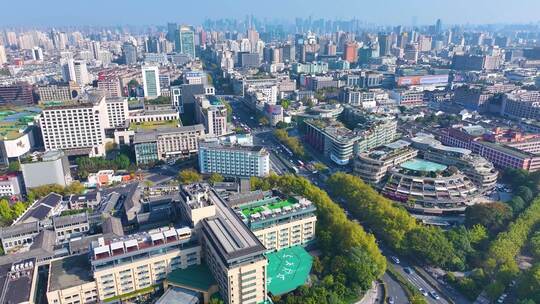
(151, 81)
(152, 45)
(37, 54)
(288, 51)
(3, 57)
(351, 52)
(172, 28)
(81, 72)
(95, 49)
(129, 52)
(185, 41)
(438, 27)
(384, 44)
(403, 39)
(68, 69)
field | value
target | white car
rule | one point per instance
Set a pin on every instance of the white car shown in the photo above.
(395, 259)
(423, 292)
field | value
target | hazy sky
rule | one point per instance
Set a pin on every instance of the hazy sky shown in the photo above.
(143, 12)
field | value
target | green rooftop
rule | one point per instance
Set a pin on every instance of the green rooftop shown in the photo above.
(149, 125)
(287, 269)
(255, 208)
(197, 276)
(422, 165)
(13, 121)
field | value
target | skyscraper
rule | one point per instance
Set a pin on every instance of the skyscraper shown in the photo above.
(384, 44)
(151, 81)
(130, 53)
(185, 41)
(172, 28)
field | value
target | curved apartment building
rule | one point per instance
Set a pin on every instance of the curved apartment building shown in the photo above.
(428, 187)
(478, 169)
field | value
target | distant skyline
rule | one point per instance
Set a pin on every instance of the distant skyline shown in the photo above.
(159, 12)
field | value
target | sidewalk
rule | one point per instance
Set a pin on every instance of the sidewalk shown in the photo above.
(373, 295)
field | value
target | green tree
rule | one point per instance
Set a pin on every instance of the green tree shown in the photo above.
(6, 216)
(189, 176)
(430, 245)
(320, 166)
(122, 161)
(215, 178)
(14, 166)
(493, 216)
(18, 209)
(517, 204)
(285, 103)
(525, 193)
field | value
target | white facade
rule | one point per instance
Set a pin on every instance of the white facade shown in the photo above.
(151, 85)
(117, 112)
(75, 126)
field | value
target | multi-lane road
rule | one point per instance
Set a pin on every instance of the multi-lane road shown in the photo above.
(281, 162)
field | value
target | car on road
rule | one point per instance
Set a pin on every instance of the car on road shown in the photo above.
(391, 300)
(423, 292)
(395, 259)
(434, 295)
(502, 298)
(408, 270)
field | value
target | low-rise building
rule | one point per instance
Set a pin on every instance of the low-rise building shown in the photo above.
(55, 163)
(167, 143)
(233, 160)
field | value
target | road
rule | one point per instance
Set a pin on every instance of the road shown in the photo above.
(282, 162)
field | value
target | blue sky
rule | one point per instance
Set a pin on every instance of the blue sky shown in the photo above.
(143, 12)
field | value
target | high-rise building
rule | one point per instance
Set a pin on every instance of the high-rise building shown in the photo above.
(68, 69)
(171, 31)
(151, 85)
(81, 72)
(37, 54)
(129, 52)
(385, 44)
(212, 113)
(78, 128)
(253, 37)
(185, 41)
(351, 52)
(3, 56)
(95, 49)
(152, 45)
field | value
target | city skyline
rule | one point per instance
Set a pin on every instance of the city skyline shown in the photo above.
(390, 12)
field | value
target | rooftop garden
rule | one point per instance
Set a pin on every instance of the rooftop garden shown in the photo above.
(149, 125)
